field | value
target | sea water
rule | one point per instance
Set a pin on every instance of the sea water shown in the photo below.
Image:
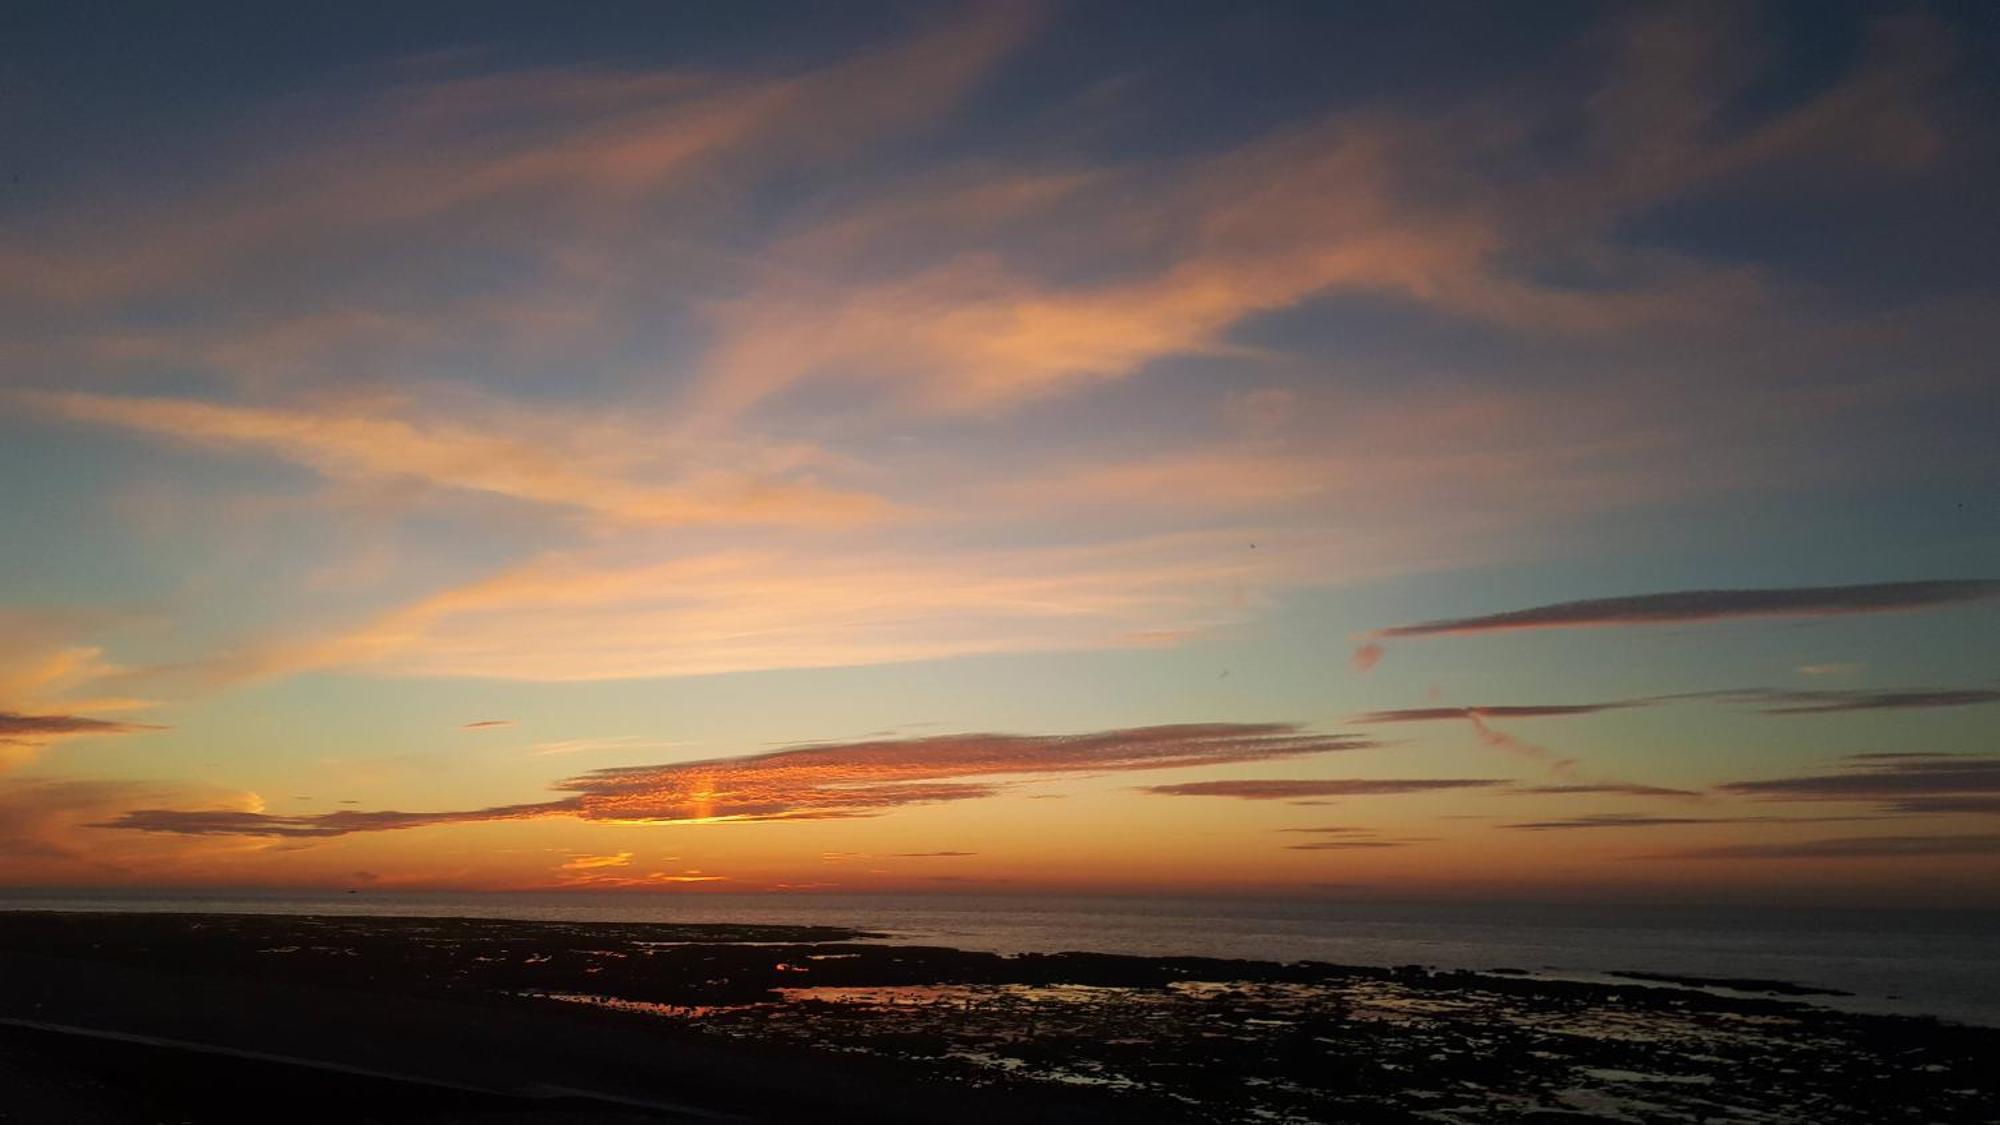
(1912, 962)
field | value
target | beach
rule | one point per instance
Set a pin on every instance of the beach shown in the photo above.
(225, 1017)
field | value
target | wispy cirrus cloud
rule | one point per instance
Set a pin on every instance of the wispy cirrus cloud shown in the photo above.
(1414, 206)
(551, 147)
(827, 781)
(799, 607)
(368, 444)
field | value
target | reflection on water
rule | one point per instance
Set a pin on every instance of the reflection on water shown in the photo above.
(1357, 1048)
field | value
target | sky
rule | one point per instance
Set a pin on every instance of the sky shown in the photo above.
(1317, 450)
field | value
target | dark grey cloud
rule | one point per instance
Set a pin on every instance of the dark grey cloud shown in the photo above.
(1609, 788)
(1716, 605)
(1618, 820)
(1975, 805)
(1941, 783)
(16, 726)
(1850, 847)
(1645, 820)
(1505, 711)
(1773, 701)
(1826, 702)
(1290, 789)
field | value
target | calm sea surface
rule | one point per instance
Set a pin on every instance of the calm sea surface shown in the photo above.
(1940, 963)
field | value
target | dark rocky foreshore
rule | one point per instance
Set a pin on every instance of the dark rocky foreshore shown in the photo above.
(774, 1023)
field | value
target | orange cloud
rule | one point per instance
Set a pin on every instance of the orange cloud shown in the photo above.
(353, 445)
(595, 862)
(743, 610)
(1380, 203)
(832, 781)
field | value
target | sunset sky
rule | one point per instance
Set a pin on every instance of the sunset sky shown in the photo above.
(1496, 451)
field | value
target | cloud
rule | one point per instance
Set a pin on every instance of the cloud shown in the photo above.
(17, 727)
(1830, 702)
(1557, 764)
(1778, 702)
(235, 822)
(1913, 783)
(1524, 711)
(48, 836)
(353, 443)
(1350, 839)
(1948, 806)
(607, 878)
(1621, 789)
(933, 855)
(825, 781)
(550, 149)
(595, 862)
(862, 778)
(1851, 847)
(1689, 606)
(1642, 820)
(804, 607)
(1845, 668)
(486, 724)
(1291, 789)
(1429, 206)
(1347, 845)
(1715, 605)
(609, 742)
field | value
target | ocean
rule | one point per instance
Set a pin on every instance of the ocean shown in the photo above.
(1909, 962)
